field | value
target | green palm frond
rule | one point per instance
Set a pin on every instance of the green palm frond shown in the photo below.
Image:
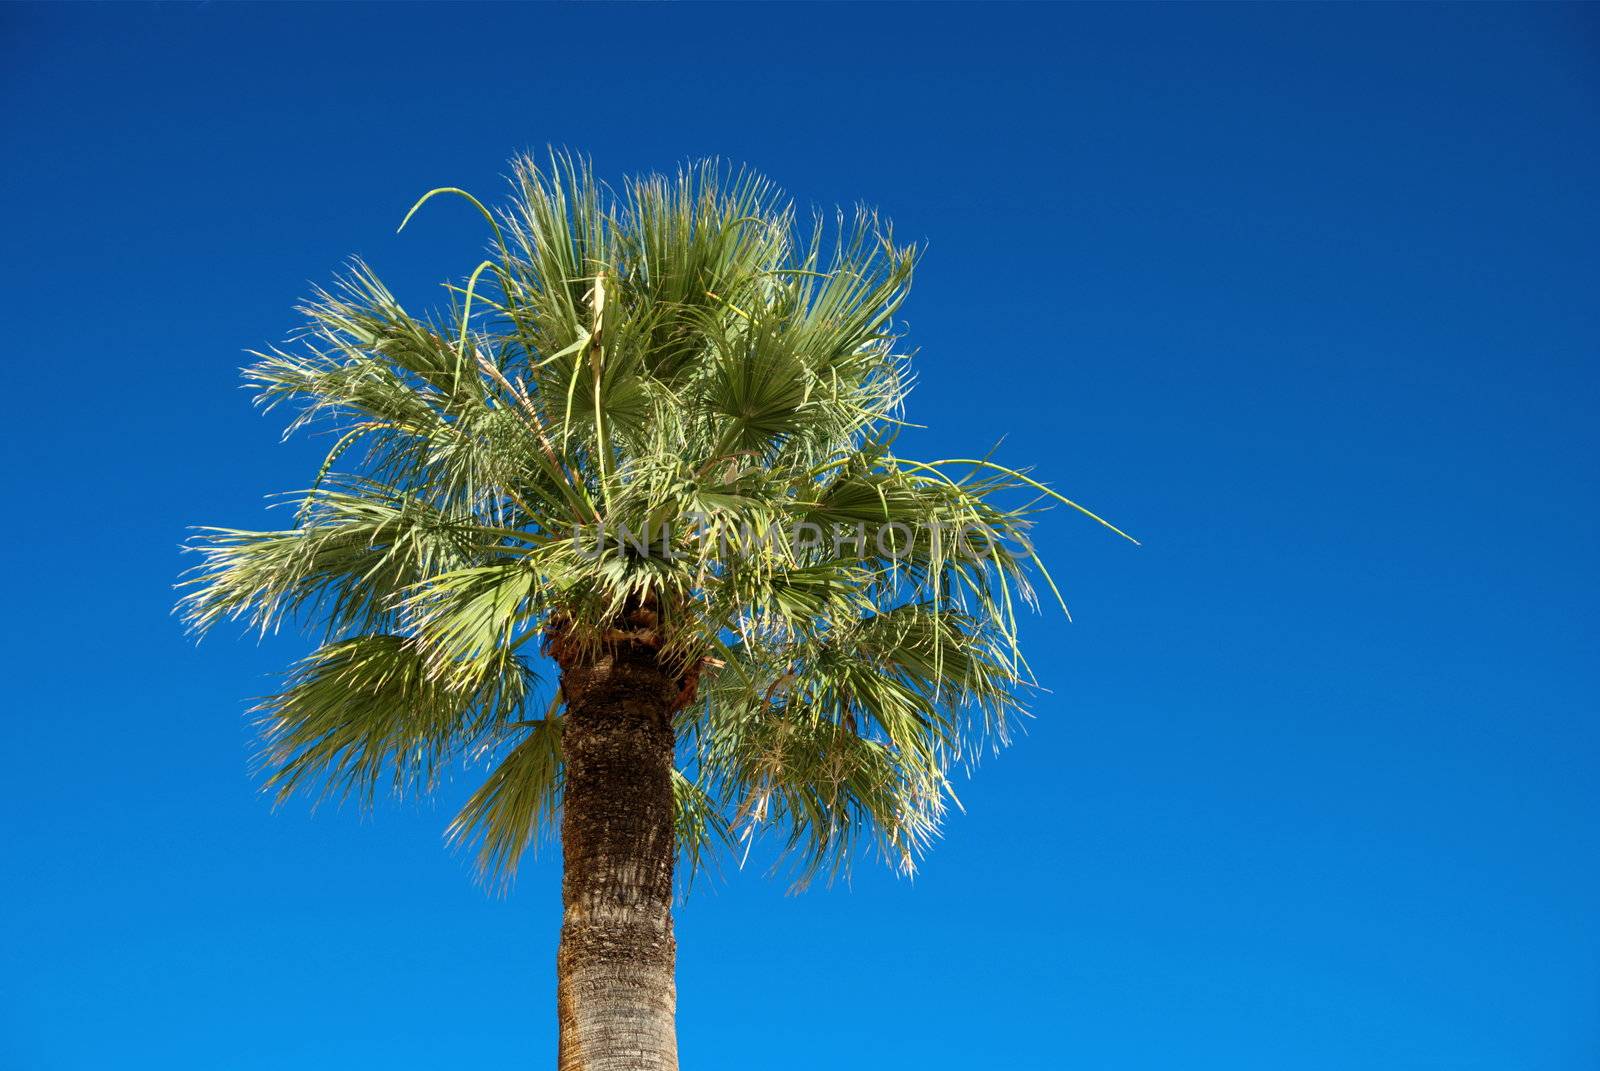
(362, 712)
(682, 367)
(521, 796)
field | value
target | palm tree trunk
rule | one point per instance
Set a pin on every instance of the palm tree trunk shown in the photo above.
(615, 992)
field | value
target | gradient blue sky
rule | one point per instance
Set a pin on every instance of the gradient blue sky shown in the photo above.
(1305, 297)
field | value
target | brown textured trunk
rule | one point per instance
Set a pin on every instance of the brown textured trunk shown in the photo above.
(614, 971)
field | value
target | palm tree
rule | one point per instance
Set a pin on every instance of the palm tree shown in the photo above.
(651, 441)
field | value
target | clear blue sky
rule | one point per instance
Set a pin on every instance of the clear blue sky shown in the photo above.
(1305, 297)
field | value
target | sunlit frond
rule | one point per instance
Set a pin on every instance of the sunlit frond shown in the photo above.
(505, 815)
(362, 713)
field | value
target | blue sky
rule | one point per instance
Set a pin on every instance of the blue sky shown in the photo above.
(1305, 297)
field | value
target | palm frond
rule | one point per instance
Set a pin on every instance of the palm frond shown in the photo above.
(519, 798)
(364, 712)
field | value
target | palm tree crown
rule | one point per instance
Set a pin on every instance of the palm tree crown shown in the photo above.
(660, 415)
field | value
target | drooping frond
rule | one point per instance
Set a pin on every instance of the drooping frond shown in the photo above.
(364, 712)
(505, 816)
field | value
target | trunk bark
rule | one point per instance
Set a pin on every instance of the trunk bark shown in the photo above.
(614, 990)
